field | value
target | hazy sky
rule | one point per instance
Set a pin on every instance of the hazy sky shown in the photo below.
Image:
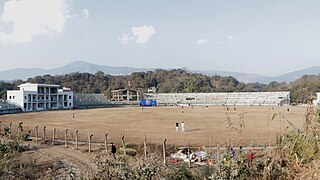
(268, 37)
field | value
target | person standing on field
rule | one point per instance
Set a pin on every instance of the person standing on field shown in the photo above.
(182, 127)
(177, 127)
(113, 150)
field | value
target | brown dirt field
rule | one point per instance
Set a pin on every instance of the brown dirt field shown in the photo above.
(203, 126)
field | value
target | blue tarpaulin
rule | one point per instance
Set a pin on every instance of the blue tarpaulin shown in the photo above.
(144, 102)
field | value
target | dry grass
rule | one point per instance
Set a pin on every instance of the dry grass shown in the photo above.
(203, 126)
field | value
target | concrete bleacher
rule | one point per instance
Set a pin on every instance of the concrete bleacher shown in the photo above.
(8, 108)
(89, 100)
(97, 101)
(236, 98)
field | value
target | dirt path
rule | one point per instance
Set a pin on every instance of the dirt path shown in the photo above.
(82, 162)
(74, 162)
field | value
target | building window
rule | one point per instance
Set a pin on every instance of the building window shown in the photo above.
(9, 97)
(25, 97)
(69, 97)
(12, 97)
(69, 104)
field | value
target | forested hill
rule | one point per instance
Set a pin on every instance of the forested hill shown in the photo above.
(177, 81)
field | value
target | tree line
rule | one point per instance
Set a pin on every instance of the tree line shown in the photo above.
(170, 81)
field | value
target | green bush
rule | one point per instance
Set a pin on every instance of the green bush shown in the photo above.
(125, 167)
(9, 147)
(303, 145)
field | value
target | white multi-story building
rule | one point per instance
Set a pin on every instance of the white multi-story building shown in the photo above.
(38, 97)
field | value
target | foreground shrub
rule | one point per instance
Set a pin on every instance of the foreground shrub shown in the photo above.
(9, 147)
(301, 147)
(126, 167)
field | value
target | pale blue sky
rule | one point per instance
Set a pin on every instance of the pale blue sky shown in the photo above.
(267, 37)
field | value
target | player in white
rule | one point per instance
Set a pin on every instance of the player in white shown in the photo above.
(182, 127)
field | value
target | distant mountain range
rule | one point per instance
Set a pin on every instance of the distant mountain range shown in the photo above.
(81, 66)
(250, 77)
(77, 66)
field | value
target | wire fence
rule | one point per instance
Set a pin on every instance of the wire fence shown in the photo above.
(98, 138)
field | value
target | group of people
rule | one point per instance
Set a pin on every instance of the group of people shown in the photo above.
(249, 155)
(180, 128)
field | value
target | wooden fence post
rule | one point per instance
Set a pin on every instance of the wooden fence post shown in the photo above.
(90, 138)
(10, 130)
(20, 129)
(145, 146)
(210, 137)
(164, 151)
(37, 133)
(218, 158)
(65, 138)
(106, 142)
(44, 133)
(77, 139)
(189, 158)
(53, 136)
(123, 145)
